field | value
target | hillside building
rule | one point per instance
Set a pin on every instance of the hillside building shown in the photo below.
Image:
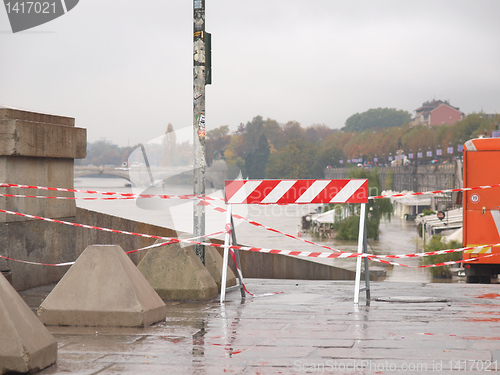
(435, 113)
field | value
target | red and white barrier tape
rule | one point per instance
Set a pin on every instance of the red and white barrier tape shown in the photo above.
(37, 263)
(173, 241)
(436, 191)
(252, 222)
(193, 196)
(448, 263)
(336, 254)
(57, 197)
(345, 254)
(201, 202)
(204, 201)
(127, 252)
(83, 225)
(122, 195)
(342, 255)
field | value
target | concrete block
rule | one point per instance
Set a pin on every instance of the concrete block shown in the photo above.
(24, 133)
(52, 172)
(177, 274)
(22, 138)
(102, 288)
(38, 149)
(213, 263)
(9, 113)
(25, 344)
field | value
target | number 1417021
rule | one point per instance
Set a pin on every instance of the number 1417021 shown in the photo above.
(26, 7)
(473, 365)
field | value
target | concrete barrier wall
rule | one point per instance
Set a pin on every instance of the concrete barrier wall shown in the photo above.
(45, 242)
(36, 241)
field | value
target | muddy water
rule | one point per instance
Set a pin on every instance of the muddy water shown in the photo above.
(396, 236)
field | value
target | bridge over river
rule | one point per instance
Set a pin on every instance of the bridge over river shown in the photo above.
(108, 170)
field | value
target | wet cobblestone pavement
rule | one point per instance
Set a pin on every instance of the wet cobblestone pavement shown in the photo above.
(312, 327)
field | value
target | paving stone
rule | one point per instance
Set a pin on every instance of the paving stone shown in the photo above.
(295, 333)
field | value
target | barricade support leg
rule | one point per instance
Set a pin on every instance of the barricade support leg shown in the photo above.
(225, 258)
(362, 249)
(367, 270)
(230, 239)
(237, 258)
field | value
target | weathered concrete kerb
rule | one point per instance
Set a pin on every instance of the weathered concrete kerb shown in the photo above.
(25, 344)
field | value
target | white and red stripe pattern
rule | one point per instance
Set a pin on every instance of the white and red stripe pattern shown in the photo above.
(296, 191)
(106, 193)
(436, 191)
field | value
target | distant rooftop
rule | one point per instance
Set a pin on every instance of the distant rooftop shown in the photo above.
(432, 104)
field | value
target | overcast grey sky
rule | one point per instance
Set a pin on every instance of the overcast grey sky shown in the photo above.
(123, 68)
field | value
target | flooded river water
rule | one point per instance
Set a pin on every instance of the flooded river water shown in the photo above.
(396, 236)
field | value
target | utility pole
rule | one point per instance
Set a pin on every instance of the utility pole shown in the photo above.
(201, 77)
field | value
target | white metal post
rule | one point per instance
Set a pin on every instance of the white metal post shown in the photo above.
(225, 259)
(361, 237)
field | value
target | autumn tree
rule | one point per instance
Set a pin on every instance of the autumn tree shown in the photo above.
(329, 153)
(377, 118)
(217, 141)
(256, 160)
(295, 160)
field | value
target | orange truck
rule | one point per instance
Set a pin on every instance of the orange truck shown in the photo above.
(481, 208)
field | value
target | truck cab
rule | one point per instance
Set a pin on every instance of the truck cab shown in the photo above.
(481, 208)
